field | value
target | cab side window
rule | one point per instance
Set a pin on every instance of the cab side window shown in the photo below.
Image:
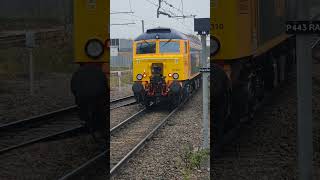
(185, 47)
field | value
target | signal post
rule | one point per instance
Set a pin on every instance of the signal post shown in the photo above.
(302, 27)
(202, 26)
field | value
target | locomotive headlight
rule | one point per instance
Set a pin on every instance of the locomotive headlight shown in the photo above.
(214, 45)
(175, 75)
(139, 76)
(94, 48)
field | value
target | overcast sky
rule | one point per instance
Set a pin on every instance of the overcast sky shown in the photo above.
(147, 10)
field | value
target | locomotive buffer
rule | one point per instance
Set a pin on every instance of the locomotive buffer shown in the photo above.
(202, 27)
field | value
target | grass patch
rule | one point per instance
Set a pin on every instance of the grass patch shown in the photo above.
(192, 159)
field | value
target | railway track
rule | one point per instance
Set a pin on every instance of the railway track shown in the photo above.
(44, 127)
(100, 157)
(42, 117)
(124, 144)
(123, 147)
(125, 101)
(40, 128)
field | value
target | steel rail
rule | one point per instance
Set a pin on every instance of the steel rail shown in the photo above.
(127, 121)
(84, 166)
(123, 105)
(37, 118)
(43, 118)
(121, 99)
(48, 115)
(145, 139)
(90, 162)
(47, 137)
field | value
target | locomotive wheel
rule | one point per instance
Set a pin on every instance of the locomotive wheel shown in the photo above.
(269, 75)
(221, 116)
(221, 107)
(186, 91)
(252, 100)
(175, 100)
(284, 74)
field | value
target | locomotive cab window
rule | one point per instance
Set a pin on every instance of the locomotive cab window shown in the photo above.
(169, 47)
(146, 48)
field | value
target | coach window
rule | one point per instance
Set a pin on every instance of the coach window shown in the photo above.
(169, 47)
(146, 48)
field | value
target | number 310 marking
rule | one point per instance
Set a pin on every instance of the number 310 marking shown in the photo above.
(217, 26)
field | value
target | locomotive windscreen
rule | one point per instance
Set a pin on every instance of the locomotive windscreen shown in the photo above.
(146, 48)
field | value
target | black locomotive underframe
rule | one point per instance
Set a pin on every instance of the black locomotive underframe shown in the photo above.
(232, 97)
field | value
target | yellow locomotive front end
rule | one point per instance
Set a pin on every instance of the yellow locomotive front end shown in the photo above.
(162, 66)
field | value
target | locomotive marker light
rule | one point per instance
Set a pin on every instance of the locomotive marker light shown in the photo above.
(94, 48)
(175, 75)
(202, 26)
(214, 45)
(139, 77)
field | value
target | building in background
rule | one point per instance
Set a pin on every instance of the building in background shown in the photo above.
(121, 53)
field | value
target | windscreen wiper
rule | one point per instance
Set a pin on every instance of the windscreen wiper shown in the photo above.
(167, 42)
(146, 42)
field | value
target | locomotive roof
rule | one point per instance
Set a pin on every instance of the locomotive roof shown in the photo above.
(167, 33)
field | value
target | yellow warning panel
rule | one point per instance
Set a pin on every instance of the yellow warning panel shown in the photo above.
(91, 30)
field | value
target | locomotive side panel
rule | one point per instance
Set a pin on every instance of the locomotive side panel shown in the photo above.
(272, 17)
(231, 25)
(91, 21)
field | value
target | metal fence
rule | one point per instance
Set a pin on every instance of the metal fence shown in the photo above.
(121, 61)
